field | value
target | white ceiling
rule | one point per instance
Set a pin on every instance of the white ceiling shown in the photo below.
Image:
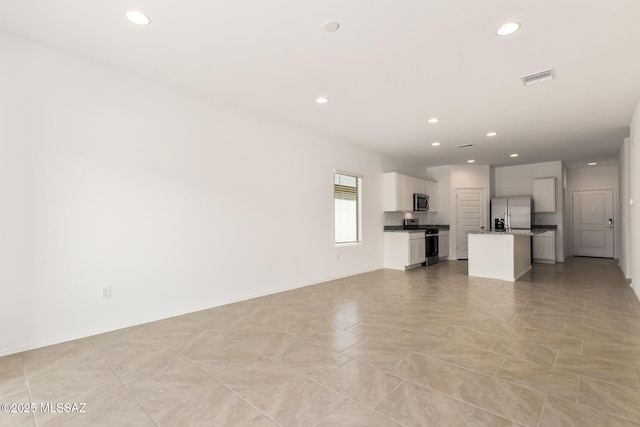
(392, 65)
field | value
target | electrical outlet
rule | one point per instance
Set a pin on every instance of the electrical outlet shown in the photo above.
(106, 292)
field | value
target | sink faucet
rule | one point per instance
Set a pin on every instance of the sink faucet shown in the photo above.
(506, 217)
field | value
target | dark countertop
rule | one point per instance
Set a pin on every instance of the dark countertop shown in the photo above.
(422, 227)
(398, 228)
(404, 231)
(512, 232)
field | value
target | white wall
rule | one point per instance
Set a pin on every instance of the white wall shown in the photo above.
(174, 201)
(390, 164)
(634, 193)
(595, 178)
(511, 181)
(624, 223)
(566, 201)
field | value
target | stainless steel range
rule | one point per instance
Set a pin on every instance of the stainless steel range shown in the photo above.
(432, 242)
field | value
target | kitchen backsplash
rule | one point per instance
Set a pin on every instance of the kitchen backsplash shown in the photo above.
(395, 218)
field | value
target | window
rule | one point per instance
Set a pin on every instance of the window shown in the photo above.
(346, 195)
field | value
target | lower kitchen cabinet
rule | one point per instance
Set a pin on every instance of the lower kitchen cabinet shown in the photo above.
(417, 250)
(443, 244)
(544, 247)
(404, 250)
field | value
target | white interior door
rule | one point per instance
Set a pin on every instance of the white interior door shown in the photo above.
(593, 223)
(471, 211)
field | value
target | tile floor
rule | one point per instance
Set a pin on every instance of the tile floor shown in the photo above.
(426, 347)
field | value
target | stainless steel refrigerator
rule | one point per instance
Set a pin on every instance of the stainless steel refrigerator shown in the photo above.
(519, 210)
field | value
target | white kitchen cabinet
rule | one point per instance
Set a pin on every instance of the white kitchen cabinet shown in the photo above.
(443, 244)
(417, 249)
(399, 189)
(398, 192)
(419, 186)
(404, 250)
(434, 196)
(544, 247)
(544, 195)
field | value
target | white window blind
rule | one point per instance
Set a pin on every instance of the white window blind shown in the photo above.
(346, 190)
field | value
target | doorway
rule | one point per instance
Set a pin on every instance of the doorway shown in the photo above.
(471, 214)
(593, 223)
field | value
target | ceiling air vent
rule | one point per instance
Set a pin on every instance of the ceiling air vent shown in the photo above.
(465, 146)
(540, 77)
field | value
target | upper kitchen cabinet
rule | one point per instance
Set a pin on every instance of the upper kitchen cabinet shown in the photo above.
(544, 195)
(434, 196)
(419, 185)
(398, 192)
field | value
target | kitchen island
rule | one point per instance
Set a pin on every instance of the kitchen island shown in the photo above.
(503, 255)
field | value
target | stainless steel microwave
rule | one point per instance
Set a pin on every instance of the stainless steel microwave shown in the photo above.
(420, 202)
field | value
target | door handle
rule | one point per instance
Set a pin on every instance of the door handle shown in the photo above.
(610, 221)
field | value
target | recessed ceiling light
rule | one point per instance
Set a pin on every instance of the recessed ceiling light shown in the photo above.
(491, 134)
(592, 163)
(433, 120)
(330, 25)
(435, 144)
(508, 28)
(471, 161)
(513, 155)
(322, 100)
(138, 17)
